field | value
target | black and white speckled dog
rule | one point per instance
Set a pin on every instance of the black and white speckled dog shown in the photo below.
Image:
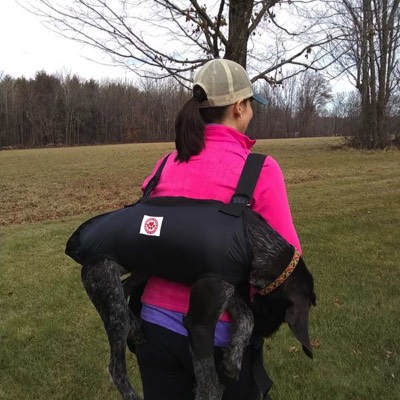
(284, 290)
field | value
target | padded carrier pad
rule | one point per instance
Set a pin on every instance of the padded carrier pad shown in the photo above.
(184, 239)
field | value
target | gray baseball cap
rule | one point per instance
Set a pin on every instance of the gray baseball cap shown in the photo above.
(225, 82)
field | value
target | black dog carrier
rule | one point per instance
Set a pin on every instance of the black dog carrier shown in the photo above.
(176, 238)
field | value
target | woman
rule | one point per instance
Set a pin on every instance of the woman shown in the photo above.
(211, 148)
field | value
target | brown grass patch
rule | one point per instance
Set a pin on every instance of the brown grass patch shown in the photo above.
(50, 184)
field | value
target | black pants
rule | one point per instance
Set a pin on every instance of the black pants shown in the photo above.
(166, 368)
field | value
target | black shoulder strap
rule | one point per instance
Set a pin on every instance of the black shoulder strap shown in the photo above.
(249, 177)
(247, 183)
(156, 177)
(244, 190)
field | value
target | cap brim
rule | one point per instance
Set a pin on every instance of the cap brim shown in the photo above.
(259, 99)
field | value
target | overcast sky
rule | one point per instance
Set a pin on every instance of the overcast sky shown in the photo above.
(26, 47)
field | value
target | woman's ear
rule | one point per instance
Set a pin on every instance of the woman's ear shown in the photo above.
(238, 108)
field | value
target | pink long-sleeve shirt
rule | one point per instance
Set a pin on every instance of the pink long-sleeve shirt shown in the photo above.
(214, 174)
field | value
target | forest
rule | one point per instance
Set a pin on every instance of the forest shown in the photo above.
(66, 110)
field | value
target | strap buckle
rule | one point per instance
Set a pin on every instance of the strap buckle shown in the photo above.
(241, 199)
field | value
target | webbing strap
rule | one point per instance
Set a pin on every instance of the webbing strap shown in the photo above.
(244, 190)
(247, 183)
(260, 375)
(156, 177)
(249, 177)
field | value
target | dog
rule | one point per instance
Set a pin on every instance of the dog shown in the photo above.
(278, 298)
(283, 291)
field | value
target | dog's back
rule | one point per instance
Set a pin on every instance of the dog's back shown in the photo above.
(183, 240)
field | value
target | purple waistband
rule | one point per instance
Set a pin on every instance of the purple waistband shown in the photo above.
(173, 321)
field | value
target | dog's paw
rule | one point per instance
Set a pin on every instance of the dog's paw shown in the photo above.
(109, 375)
(136, 336)
(132, 397)
(230, 369)
(232, 362)
(133, 343)
(138, 339)
(213, 392)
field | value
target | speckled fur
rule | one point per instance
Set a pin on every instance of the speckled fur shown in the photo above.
(243, 323)
(102, 282)
(289, 303)
(209, 386)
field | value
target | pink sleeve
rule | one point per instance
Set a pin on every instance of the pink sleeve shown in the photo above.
(270, 200)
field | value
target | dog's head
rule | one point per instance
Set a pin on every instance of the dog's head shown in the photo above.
(291, 303)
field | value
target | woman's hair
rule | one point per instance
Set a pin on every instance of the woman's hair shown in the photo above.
(190, 123)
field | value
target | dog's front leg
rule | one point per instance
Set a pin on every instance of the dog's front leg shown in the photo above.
(208, 299)
(243, 323)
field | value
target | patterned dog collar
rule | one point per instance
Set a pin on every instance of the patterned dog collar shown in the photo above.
(282, 277)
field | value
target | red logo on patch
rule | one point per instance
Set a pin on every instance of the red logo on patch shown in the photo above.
(150, 226)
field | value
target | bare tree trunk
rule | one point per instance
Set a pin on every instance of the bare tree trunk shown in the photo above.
(239, 20)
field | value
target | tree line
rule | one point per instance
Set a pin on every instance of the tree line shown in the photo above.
(274, 40)
(66, 110)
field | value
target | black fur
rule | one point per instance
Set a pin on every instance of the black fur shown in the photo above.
(289, 303)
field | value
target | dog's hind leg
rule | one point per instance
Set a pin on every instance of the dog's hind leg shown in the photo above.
(243, 323)
(208, 299)
(131, 285)
(102, 283)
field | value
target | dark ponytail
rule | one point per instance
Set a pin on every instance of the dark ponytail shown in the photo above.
(189, 127)
(190, 123)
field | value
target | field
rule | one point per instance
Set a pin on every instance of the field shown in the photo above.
(346, 207)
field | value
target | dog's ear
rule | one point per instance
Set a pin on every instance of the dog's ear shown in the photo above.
(297, 319)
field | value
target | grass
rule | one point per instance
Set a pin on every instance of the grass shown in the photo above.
(346, 207)
(49, 184)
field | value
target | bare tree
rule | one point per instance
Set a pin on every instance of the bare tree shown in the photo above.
(313, 93)
(71, 91)
(344, 109)
(277, 119)
(371, 57)
(160, 38)
(6, 85)
(44, 109)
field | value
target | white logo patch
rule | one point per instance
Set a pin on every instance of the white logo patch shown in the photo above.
(151, 226)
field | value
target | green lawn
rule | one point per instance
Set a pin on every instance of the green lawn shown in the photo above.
(346, 207)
